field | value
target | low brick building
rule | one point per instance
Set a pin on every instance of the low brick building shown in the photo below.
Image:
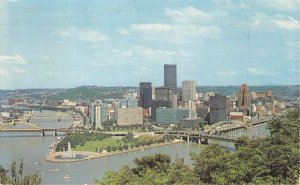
(130, 116)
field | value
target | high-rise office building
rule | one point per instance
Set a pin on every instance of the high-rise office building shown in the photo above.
(173, 99)
(188, 90)
(161, 93)
(218, 111)
(92, 113)
(145, 95)
(243, 97)
(170, 77)
(104, 112)
(98, 120)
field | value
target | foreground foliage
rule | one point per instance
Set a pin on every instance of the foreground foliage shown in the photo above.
(272, 160)
(15, 175)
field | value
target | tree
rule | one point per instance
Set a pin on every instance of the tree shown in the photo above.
(242, 141)
(108, 148)
(16, 177)
(158, 162)
(125, 147)
(210, 161)
(123, 176)
(128, 138)
(179, 173)
(13, 170)
(3, 173)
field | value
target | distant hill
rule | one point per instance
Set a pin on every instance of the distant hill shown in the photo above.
(279, 91)
(91, 92)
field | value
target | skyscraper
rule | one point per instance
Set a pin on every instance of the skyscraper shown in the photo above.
(162, 93)
(173, 99)
(98, 123)
(218, 111)
(188, 90)
(145, 95)
(170, 77)
(243, 97)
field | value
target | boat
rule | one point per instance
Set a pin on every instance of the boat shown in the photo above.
(67, 177)
(55, 170)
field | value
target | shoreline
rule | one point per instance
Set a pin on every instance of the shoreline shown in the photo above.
(51, 156)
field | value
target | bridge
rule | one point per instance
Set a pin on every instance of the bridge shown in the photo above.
(231, 125)
(198, 137)
(24, 119)
(42, 131)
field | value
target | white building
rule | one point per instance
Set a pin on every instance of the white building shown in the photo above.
(98, 122)
(188, 90)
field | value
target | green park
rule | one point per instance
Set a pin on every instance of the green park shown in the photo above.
(98, 142)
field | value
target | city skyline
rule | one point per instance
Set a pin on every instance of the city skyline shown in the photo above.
(68, 44)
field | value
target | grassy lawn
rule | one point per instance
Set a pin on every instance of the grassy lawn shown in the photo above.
(91, 145)
(148, 137)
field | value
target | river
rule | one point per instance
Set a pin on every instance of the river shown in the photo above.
(33, 149)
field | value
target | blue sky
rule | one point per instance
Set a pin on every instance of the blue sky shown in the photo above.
(58, 43)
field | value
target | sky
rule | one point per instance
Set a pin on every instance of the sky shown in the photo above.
(65, 44)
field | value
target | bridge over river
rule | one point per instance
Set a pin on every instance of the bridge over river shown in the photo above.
(34, 122)
(195, 136)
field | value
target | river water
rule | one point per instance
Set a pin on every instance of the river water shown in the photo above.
(33, 149)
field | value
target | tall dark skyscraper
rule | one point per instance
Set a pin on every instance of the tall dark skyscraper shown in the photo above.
(244, 97)
(145, 95)
(170, 77)
(217, 105)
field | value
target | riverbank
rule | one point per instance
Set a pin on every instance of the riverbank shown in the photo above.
(52, 156)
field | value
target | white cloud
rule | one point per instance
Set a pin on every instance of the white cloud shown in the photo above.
(83, 35)
(230, 4)
(285, 5)
(281, 5)
(259, 72)
(156, 27)
(124, 31)
(188, 14)
(3, 72)
(187, 25)
(278, 21)
(13, 59)
(287, 24)
(151, 53)
(158, 53)
(174, 33)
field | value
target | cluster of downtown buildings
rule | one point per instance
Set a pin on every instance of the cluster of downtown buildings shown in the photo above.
(169, 105)
(184, 107)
